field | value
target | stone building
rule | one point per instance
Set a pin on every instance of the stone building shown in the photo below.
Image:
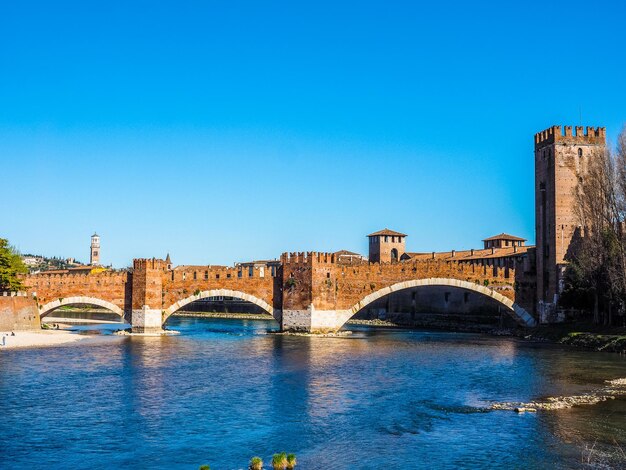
(503, 240)
(561, 159)
(501, 251)
(386, 246)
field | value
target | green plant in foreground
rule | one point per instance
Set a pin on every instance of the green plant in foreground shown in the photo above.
(205, 467)
(279, 461)
(256, 463)
(291, 461)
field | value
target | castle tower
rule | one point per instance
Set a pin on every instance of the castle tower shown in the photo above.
(561, 159)
(94, 257)
(386, 246)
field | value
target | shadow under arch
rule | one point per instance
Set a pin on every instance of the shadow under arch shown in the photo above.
(520, 315)
(51, 306)
(217, 293)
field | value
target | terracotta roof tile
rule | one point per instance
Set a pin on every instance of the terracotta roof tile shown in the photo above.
(505, 236)
(386, 231)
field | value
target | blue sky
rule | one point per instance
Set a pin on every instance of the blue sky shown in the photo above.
(226, 131)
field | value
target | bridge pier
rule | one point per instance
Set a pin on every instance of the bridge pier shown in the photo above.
(311, 320)
(147, 320)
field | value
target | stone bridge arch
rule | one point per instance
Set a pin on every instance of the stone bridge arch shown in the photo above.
(224, 293)
(324, 320)
(48, 308)
(517, 313)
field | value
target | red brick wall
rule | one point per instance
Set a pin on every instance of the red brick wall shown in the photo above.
(108, 285)
(18, 313)
(331, 286)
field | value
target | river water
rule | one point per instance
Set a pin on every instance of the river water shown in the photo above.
(224, 391)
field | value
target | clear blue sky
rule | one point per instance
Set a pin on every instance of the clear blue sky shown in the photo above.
(226, 131)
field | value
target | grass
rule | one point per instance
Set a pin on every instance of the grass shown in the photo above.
(256, 463)
(279, 461)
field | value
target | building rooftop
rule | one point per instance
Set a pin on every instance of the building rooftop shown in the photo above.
(346, 252)
(386, 231)
(505, 236)
(471, 255)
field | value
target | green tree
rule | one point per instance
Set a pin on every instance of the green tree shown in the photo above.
(11, 266)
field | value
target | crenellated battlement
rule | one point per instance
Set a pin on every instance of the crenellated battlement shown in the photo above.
(149, 263)
(569, 134)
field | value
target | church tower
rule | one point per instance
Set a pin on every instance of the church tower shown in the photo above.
(386, 246)
(561, 159)
(94, 258)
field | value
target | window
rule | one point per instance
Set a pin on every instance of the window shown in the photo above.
(184, 276)
(195, 275)
(386, 238)
(239, 273)
(580, 152)
(251, 271)
(217, 276)
(227, 275)
(206, 275)
(172, 275)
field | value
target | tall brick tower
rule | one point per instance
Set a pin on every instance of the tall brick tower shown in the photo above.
(561, 158)
(94, 257)
(386, 246)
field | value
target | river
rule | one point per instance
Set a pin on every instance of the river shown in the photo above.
(225, 390)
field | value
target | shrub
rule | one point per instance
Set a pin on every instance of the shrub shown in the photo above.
(256, 463)
(205, 467)
(291, 283)
(291, 461)
(279, 461)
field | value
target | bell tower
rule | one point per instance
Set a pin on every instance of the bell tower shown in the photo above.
(94, 257)
(562, 155)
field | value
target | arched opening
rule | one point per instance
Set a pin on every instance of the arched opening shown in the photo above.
(441, 303)
(82, 313)
(223, 304)
(394, 255)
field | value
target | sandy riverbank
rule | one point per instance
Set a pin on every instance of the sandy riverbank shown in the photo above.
(29, 339)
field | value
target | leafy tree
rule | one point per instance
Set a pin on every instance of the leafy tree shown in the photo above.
(596, 275)
(11, 266)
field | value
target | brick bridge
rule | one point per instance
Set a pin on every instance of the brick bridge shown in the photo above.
(307, 292)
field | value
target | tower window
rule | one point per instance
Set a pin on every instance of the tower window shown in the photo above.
(580, 152)
(386, 238)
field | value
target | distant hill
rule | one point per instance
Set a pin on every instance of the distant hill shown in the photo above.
(36, 263)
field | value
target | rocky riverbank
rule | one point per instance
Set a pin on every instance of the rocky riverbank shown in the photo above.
(585, 336)
(612, 389)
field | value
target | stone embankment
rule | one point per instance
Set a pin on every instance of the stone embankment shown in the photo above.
(612, 389)
(237, 316)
